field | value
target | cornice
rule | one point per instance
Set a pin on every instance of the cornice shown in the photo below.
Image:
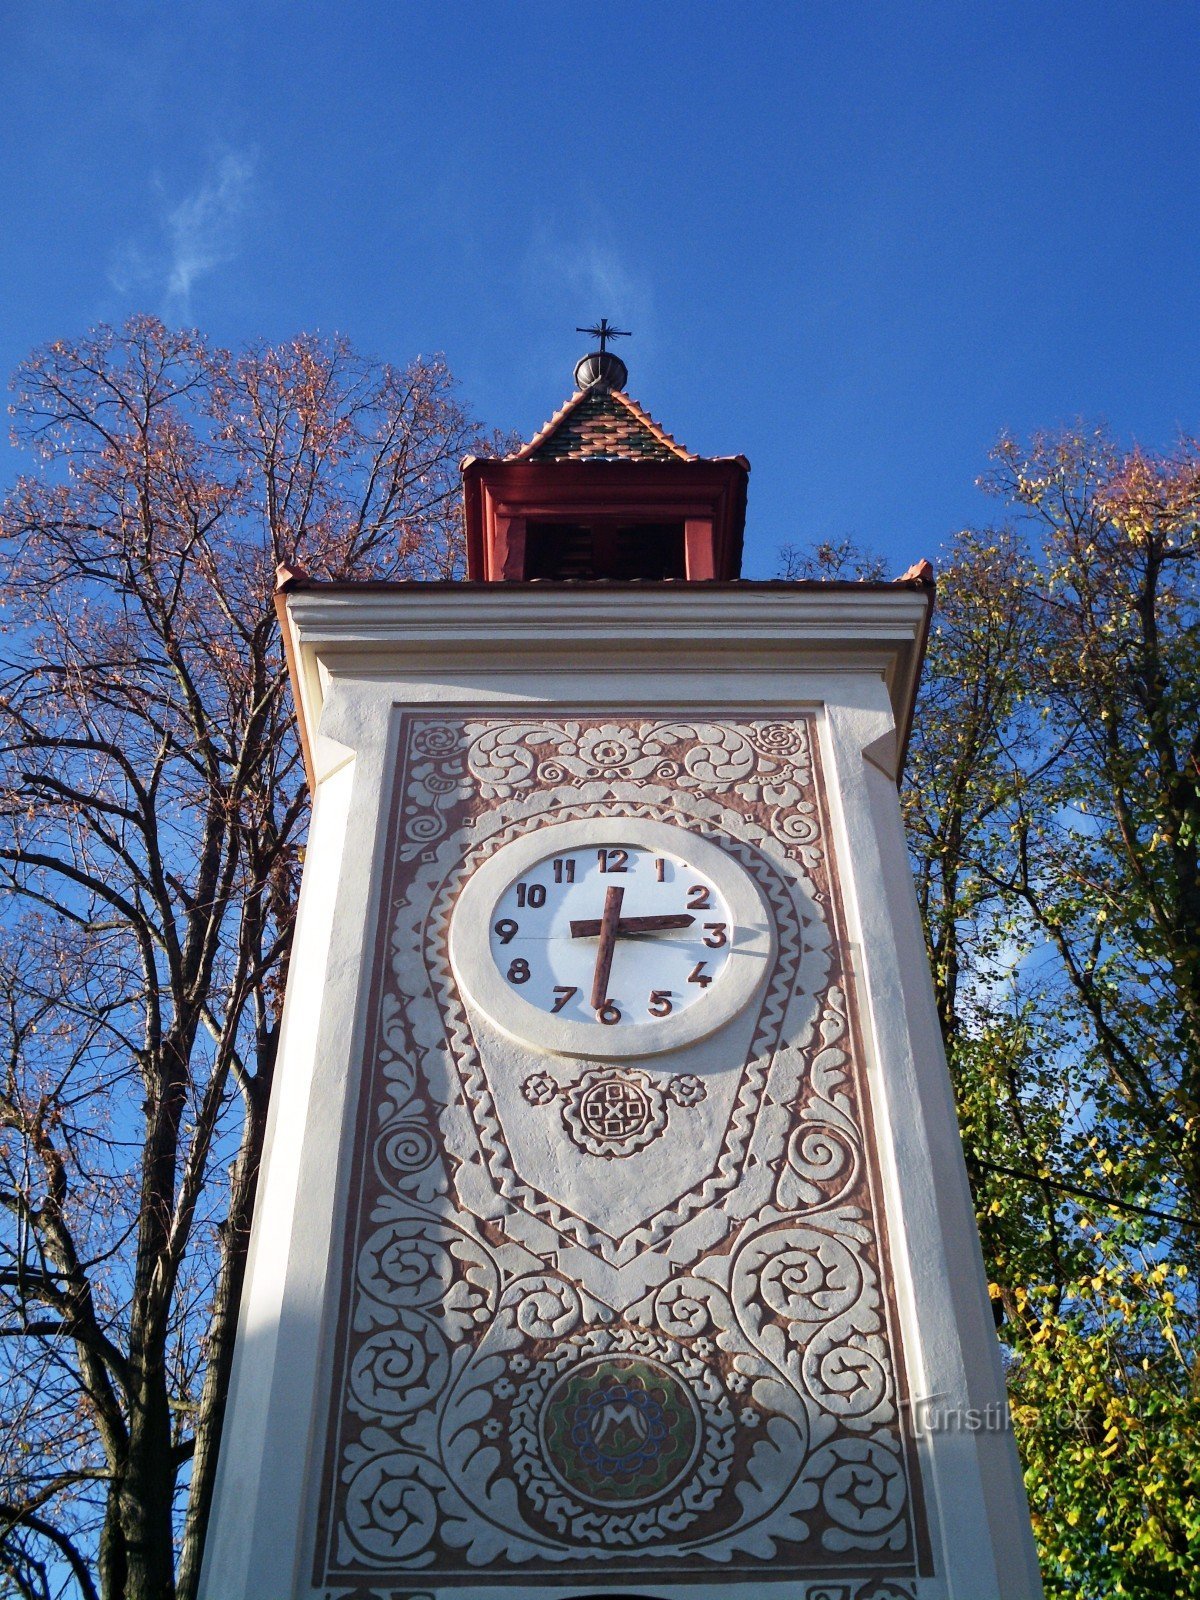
(370, 631)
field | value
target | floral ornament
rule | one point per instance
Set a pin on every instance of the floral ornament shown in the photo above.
(539, 1089)
(505, 1389)
(780, 795)
(518, 1364)
(492, 1428)
(737, 1383)
(609, 750)
(686, 1090)
(749, 1418)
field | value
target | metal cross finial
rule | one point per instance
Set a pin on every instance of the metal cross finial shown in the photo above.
(604, 333)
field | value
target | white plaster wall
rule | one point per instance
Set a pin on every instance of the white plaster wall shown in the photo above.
(357, 661)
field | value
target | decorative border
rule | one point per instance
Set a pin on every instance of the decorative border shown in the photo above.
(469, 1293)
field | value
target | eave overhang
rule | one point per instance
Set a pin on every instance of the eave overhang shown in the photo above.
(418, 630)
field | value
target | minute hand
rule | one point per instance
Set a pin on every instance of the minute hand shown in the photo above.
(590, 929)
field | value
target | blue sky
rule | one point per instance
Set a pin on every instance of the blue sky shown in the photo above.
(853, 241)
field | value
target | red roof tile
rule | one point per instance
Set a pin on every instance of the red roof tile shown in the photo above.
(601, 424)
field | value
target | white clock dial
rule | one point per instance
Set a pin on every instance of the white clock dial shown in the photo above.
(663, 947)
(610, 937)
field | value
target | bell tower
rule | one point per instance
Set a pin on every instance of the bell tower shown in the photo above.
(603, 492)
(613, 1234)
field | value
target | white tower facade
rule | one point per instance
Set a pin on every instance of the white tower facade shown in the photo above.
(613, 1235)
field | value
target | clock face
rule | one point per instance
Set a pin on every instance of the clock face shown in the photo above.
(610, 937)
(619, 934)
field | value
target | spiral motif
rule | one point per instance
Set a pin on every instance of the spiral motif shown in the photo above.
(404, 1148)
(390, 1515)
(679, 1312)
(864, 1489)
(795, 827)
(400, 1370)
(817, 1153)
(435, 739)
(425, 826)
(820, 1164)
(547, 1308)
(845, 1379)
(814, 1279)
(400, 1266)
(552, 772)
(497, 759)
(779, 738)
(727, 760)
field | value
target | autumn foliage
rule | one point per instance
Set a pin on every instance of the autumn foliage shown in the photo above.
(1053, 804)
(153, 807)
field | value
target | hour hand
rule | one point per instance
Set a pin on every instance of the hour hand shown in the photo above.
(589, 928)
(607, 928)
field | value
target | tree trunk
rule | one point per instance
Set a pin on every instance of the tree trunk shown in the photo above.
(147, 1495)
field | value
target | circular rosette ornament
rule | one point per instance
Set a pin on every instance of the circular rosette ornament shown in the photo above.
(613, 1111)
(686, 1090)
(539, 1088)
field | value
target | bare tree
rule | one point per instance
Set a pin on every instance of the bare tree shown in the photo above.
(153, 808)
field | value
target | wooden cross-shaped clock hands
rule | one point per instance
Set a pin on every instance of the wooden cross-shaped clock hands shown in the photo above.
(610, 927)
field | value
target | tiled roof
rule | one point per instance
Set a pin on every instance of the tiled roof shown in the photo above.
(601, 424)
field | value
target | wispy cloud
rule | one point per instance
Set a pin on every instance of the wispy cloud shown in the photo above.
(203, 227)
(193, 235)
(592, 275)
(579, 278)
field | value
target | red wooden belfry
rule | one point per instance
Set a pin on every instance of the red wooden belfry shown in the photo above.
(604, 493)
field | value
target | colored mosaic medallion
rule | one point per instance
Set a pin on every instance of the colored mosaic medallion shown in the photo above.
(619, 1431)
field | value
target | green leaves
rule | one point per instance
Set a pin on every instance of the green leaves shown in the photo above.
(1053, 806)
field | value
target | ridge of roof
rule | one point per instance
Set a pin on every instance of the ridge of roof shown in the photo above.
(577, 450)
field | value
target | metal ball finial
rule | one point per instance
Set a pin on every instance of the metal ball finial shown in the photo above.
(601, 366)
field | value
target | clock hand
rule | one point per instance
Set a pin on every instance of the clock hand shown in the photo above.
(608, 940)
(588, 929)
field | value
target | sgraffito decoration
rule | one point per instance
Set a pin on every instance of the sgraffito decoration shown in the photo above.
(606, 1323)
